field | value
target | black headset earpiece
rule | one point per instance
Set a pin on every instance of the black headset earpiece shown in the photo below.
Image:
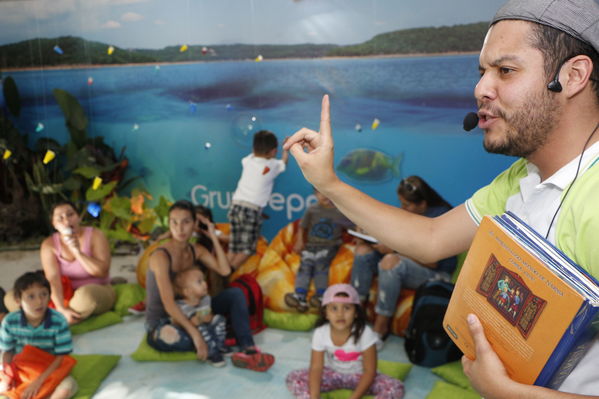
(555, 86)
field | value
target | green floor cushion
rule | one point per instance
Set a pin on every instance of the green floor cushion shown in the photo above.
(90, 371)
(96, 322)
(127, 295)
(453, 373)
(145, 353)
(289, 321)
(393, 369)
(445, 390)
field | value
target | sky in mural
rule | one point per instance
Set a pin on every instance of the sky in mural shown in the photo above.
(159, 23)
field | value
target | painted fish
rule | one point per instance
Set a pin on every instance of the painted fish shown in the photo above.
(366, 165)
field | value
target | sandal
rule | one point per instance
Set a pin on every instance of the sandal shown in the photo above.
(296, 302)
(253, 359)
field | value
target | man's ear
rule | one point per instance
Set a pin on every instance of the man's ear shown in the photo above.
(578, 74)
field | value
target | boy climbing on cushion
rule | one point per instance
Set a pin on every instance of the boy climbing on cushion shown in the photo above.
(35, 342)
(260, 169)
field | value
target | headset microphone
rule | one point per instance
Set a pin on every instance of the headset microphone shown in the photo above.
(470, 121)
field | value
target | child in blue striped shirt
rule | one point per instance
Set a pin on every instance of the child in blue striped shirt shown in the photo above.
(37, 325)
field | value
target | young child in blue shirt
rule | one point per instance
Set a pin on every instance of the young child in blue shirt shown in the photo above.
(37, 325)
(195, 303)
(318, 239)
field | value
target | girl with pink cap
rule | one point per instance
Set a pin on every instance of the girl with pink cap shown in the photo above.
(343, 352)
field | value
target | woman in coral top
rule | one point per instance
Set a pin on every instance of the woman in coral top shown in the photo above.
(76, 261)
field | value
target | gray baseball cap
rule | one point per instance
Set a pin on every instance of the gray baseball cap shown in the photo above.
(578, 18)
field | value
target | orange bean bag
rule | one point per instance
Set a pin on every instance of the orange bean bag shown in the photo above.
(250, 266)
(279, 265)
(278, 268)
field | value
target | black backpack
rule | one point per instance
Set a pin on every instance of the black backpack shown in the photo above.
(426, 342)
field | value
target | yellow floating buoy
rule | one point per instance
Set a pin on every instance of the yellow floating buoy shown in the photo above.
(50, 155)
(97, 183)
(375, 124)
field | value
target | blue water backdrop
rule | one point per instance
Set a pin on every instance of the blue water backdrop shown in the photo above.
(187, 126)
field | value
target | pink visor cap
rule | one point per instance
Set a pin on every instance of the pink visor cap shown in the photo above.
(330, 295)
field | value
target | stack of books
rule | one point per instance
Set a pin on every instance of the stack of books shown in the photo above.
(538, 308)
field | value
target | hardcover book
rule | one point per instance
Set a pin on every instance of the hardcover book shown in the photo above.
(537, 307)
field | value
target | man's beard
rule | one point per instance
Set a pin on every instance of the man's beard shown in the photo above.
(527, 129)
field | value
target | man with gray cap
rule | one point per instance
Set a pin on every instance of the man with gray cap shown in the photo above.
(538, 99)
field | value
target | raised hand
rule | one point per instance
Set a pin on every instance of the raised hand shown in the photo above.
(71, 240)
(313, 151)
(210, 229)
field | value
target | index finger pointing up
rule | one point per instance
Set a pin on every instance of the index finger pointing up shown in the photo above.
(325, 118)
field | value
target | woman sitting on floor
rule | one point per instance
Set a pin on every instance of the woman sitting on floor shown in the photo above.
(76, 262)
(168, 329)
(394, 270)
(216, 282)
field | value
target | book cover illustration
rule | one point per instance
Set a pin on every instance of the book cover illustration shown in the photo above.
(507, 292)
(527, 310)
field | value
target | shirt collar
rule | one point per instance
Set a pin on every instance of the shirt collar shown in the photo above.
(565, 174)
(47, 322)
